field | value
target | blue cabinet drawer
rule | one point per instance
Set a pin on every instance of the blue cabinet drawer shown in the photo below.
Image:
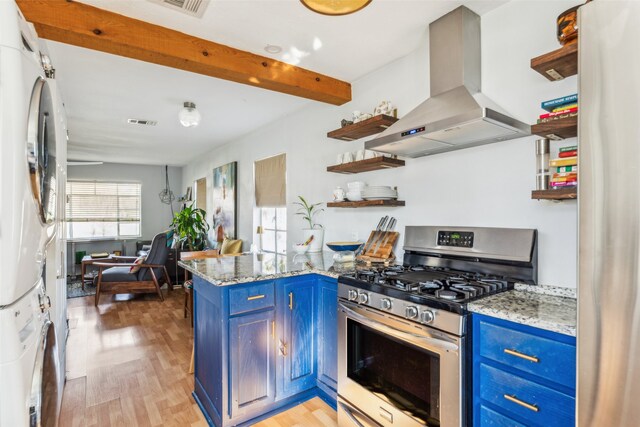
(243, 299)
(539, 405)
(491, 418)
(543, 357)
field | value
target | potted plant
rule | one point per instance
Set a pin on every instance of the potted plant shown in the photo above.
(191, 228)
(308, 211)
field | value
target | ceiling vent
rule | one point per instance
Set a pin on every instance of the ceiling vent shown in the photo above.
(142, 122)
(190, 7)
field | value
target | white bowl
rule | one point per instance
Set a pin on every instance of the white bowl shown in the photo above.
(354, 196)
(356, 185)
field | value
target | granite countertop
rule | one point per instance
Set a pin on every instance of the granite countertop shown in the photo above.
(233, 270)
(544, 307)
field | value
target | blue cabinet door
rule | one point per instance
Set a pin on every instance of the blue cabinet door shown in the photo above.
(251, 362)
(297, 343)
(327, 291)
(522, 375)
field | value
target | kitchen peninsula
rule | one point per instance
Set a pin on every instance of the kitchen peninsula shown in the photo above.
(265, 333)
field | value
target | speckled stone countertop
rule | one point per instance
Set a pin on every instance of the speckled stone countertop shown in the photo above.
(234, 270)
(544, 307)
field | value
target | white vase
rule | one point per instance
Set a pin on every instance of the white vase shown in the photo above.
(318, 237)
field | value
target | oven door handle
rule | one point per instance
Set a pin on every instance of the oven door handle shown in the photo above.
(416, 339)
(349, 412)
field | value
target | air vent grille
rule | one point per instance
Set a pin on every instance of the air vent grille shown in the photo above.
(190, 7)
(142, 122)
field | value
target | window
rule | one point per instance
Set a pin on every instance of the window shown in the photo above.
(103, 210)
(274, 229)
(271, 185)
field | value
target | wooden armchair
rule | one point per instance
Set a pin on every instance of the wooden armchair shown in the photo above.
(119, 279)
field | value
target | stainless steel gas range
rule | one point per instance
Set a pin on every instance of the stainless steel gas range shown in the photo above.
(402, 330)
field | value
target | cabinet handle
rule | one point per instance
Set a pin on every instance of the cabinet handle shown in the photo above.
(273, 329)
(521, 355)
(290, 300)
(515, 400)
(254, 297)
(283, 349)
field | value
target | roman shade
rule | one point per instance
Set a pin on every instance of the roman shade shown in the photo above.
(201, 193)
(271, 181)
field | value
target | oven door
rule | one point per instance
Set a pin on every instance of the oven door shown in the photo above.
(396, 372)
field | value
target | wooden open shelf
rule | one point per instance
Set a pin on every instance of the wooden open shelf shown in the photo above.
(559, 194)
(365, 203)
(558, 64)
(557, 129)
(366, 165)
(375, 124)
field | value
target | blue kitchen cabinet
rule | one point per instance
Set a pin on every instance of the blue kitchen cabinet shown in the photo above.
(258, 346)
(252, 373)
(297, 336)
(522, 375)
(327, 291)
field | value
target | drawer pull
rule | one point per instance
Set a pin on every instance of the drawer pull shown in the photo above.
(290, 300)
(514, 399)
(522, 355)
(255, 297)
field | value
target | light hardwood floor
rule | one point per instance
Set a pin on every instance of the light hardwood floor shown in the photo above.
(127, 364)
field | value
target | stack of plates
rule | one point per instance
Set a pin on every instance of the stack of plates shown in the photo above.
(379, 193)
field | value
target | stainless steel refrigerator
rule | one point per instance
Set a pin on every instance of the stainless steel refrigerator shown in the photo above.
(609, 215)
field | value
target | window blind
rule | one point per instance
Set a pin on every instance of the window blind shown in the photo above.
(271, 181)
(101, 204)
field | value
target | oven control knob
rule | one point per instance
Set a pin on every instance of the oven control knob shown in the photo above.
(363, 298)
(352, 295)
(411, 312)
(427, 316)
(385, 304)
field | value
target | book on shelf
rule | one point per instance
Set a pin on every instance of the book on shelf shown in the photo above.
(563, 169)
(564, 179)
(564, 154)
(557, 102)
(567, 161)
(568, 148)
(558, 117)
(563, 184)
(557, 113)
(565, 107)
(564, 174)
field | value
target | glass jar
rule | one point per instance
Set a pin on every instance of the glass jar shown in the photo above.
(568, 26)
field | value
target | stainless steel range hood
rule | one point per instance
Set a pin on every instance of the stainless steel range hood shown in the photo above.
(457, 115)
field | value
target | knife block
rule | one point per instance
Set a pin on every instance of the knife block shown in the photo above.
(384, 253)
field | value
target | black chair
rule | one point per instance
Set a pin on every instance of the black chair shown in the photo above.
(120, 280)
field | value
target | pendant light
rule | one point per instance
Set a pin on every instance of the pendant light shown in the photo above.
(188, 115)
(335, 7)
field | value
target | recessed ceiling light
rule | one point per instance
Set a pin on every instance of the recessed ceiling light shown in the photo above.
(273, 49)
(335, 7)
(317, 43)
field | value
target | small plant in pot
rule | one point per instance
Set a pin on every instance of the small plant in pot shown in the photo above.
(308, 211)
(191, 227)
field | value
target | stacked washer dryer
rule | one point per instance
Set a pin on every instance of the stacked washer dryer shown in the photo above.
(29, 365)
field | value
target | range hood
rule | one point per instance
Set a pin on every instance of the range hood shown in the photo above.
(457, 115)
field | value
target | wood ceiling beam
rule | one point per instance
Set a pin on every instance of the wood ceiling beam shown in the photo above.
(86, 26)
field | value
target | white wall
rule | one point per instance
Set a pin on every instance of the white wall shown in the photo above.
(483, 186)
(156, 216)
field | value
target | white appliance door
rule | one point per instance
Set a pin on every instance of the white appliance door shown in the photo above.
(41, 151)
(44, 405)
(609, 215)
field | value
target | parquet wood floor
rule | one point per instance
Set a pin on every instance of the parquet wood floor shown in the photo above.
(127, 364)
